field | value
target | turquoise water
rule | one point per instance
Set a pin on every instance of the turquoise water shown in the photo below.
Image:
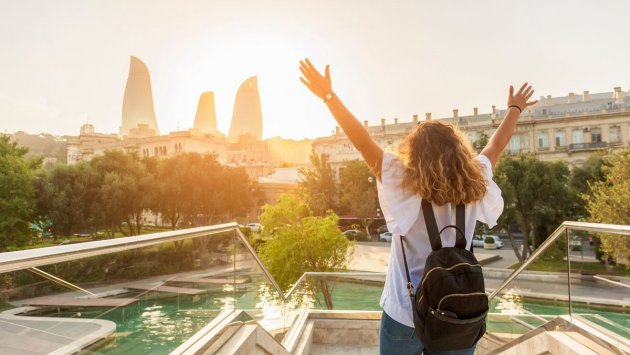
(159, 325)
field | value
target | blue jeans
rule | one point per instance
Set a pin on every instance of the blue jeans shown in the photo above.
(399, 339)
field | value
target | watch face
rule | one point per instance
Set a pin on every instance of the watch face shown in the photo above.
(329, 96)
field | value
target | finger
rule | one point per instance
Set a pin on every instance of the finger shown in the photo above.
(312, 68)
(511, 90)
(304, 67)
(520, 91)
(305, 73)
(308, 85)
(327, 73)
(526, 92)
(532, 103)
(529, 95)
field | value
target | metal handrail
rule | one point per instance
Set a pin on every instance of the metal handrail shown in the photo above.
(340, 274)
(32, 258)
(23, 259)
(565, 226)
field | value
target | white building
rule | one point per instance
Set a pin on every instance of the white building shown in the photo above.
(566, 128)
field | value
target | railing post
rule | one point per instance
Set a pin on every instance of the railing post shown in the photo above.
(569, 272)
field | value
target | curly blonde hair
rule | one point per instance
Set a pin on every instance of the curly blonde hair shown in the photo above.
(440, 166)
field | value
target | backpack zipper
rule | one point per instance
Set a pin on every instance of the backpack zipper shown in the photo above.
(459, 295)
(446, 269)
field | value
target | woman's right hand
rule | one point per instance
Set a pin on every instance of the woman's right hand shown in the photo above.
(520, 99)
(314, 81)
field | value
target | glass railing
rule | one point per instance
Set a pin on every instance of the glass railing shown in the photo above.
(152, 293)
(135, 295)
(566, 276)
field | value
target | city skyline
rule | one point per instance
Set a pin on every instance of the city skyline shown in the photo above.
(65, 64)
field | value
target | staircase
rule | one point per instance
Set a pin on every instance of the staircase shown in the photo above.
(344, 332)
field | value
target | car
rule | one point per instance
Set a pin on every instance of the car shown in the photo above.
(386, 237)
(351, 233)
(382, 229)
(477, 241)
(254, 227)
(497, 241)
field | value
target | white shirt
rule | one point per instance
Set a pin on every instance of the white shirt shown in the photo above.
(403, 215)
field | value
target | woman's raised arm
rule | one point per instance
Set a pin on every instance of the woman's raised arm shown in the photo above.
(516, 104)
(321, 86)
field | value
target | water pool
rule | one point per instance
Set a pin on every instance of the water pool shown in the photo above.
(158, 325)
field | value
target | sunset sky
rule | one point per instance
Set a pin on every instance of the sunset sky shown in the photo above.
(65, 63)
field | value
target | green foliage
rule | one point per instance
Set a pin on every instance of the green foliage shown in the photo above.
(481, 143)
(582, 177)
(489, 240)
(300, 242)
(127, 189)
(68, 199)
(289, 209)
(358, 192)
(17, 201)
(536, 195)
(609, 202)
(318, 183)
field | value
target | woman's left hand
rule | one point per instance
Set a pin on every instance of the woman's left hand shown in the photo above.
(314, 81)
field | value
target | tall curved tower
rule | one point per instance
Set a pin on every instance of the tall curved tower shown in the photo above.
(206, 117)
(138, 100)
(247, 116)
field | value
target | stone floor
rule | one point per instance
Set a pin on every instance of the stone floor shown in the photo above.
(374, 257)
(335, 349)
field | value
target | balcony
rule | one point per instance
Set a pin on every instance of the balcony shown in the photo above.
(587, 146)
(204, 290)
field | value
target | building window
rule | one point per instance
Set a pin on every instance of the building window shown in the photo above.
(614, 135)
(515, 144)
(560, 140)
(543, 139)
(596, 135)
(578, 136)
(525, 140)
(544, 111)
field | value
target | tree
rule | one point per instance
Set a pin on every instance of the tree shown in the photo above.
(481, 143)
(609, 202)
(358, 192)
(127, 189)
(68, 198)
(582, 178)
(302, 242)
(17, 201)
(536, 196)
(318, 182)
(177, 188)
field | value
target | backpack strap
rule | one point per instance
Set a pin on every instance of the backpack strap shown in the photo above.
(435, 234)
(432, 228)
(409, 284)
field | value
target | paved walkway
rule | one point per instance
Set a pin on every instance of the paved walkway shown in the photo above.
(374, 257)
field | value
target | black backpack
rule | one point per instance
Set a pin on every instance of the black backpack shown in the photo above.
(450, 305)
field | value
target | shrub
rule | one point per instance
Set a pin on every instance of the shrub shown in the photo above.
(489, 240)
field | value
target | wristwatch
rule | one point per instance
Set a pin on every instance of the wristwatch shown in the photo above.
(329, 96)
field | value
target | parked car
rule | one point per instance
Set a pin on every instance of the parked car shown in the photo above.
(382, 229)
(386, 237)
(477, 241)
(497, 241)
(254, 227)
(355, 234)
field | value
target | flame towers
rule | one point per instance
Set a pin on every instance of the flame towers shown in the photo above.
(206, 117)
(138, 108)
(247, 116)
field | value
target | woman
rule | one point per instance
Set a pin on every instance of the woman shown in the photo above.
(436, 163)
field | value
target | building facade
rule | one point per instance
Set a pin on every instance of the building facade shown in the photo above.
(568, 128)
(90, 144)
